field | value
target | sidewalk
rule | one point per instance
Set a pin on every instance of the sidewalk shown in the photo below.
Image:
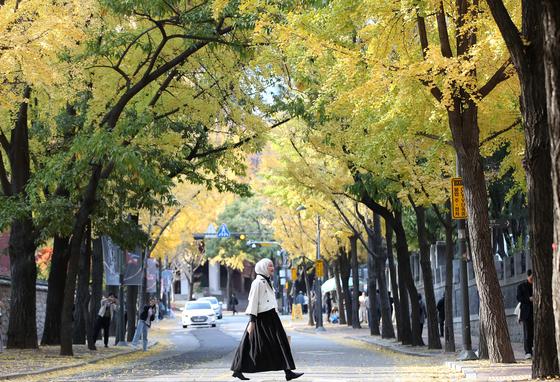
(479, 370)
(17, 363)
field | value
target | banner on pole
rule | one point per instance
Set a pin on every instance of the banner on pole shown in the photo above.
(133, 270)
(111, 253)
(151, 276)
(166, 279)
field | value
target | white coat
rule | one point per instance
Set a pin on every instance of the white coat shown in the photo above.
(261, 297)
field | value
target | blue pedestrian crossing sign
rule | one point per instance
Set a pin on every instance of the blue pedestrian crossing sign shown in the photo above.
(223, 231)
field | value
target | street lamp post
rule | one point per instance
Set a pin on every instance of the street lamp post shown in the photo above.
(120, 335)
(318, 297)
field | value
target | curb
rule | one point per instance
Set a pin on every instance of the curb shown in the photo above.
(378, 344)
(65, 367)
(497, 372)
(393, 348)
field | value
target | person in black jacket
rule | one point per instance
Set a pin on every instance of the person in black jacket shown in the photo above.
(525, 297)
(441, 315)
(147, 315)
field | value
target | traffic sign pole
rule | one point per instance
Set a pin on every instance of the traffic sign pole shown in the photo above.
(459, 212)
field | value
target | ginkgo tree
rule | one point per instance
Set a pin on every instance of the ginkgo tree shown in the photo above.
(350, 70)
(196, 208)
(33, 81)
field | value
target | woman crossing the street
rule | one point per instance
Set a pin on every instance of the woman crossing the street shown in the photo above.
(264, 345)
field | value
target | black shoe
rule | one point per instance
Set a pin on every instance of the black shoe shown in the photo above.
(291, 375)
(240, 375)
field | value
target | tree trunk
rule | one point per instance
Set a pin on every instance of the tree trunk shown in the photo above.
(22, 329)
(387, 330)
(482, 343)
(191, 286)
(339, 292)
(96, 290)
(228, 282)
(345, 277)
(406, 279)
(158, 283)
(373, 319)
(55, 293)
(394, 282)
(527, 52)
(449, 330)
(131, 300)
(546, 366)
(426, 264)
(82, 293)
(78, 232)
(22, 326)
(310, 320)
(466, 137)
(356, 282)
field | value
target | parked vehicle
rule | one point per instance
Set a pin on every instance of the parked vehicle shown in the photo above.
(198, 314)
(216, 305)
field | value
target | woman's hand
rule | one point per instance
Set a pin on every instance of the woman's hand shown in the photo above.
(250, 328)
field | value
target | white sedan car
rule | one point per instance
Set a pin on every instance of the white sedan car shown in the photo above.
(216, 305)
(198, 313)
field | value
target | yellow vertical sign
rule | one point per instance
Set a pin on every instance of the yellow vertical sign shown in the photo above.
(319, 267)
(294, 273)
(458, 208)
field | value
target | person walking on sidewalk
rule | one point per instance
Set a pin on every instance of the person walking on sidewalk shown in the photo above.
(441, 315)
(362, 310)
(233, 304)
(525, 298)
(328, 306)
(144, 323)
(422, 317)
(264, 345)
(109, 306)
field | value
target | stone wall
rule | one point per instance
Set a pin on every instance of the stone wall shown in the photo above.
(511, 272)
(5, 290)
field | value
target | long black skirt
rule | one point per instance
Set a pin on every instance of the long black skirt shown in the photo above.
(266, 348)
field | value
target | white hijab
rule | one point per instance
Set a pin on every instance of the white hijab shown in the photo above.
(261, 268)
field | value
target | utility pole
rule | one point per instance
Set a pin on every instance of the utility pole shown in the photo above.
(467, 354)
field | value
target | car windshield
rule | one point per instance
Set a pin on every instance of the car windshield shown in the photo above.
(212, 300)
(197, 305)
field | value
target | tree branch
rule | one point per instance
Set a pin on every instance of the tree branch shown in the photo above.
(424, 45)
(508, 29)
(499, 132)
(351, 226)
(6, 186)
(235, 145)
(498, 77)
(443, 33)
(162, 230)
(163, 87)
(434, 137)
(4, 142)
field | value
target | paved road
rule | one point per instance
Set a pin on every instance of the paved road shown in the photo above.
(206, 354)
